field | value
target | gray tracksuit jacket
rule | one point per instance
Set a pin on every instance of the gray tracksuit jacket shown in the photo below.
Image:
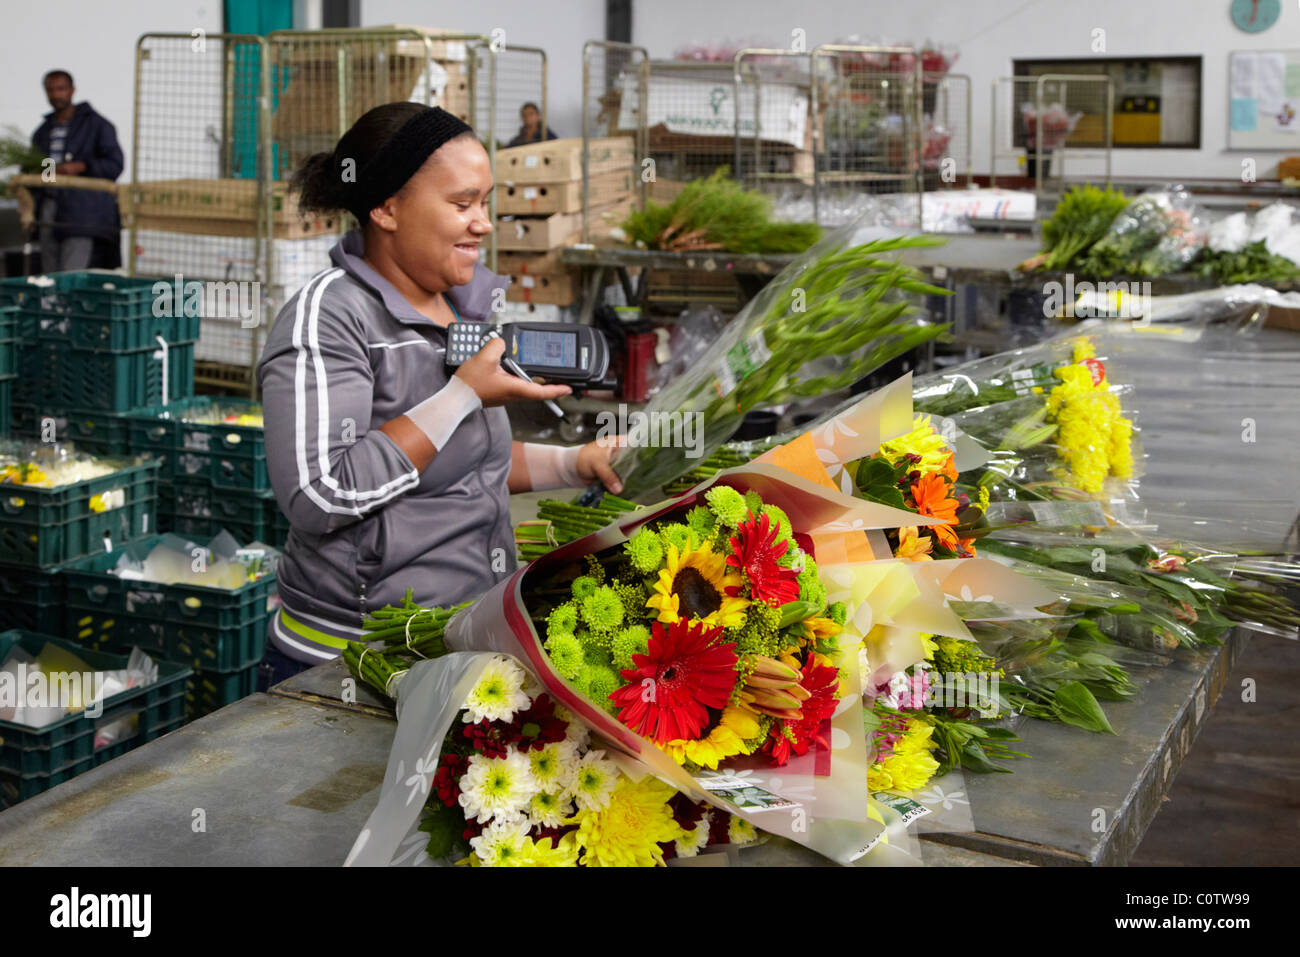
(347, 354)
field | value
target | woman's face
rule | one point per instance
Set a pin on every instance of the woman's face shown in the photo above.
(440, 217)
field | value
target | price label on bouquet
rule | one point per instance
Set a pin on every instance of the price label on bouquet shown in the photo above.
(908, 809)
(744, 794)
(743, 359)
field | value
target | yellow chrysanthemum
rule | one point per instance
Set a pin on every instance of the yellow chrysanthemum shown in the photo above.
(1084, 349)
(548, 853)
(909, 772)
(726, 740)
(627, 832)
(1093, 436)
(878, 779)
(924, 441)
(699, 578)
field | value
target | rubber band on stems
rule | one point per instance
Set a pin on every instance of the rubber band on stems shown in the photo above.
(427, 611)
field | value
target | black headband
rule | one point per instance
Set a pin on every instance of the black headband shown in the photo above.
(399, 158)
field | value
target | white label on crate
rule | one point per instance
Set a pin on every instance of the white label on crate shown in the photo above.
(530, 192)
(530, 161)
(527, 282)
(519, 230)
(197, 440)
(142, 599)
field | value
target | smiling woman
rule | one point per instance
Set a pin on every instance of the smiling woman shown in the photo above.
(394, 473)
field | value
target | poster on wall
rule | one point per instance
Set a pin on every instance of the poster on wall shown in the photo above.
(1263, 99)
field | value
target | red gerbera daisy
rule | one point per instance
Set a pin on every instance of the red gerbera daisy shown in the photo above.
(755, 553)
(682, 675)
(821, 683)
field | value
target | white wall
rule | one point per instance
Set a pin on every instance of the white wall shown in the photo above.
(992, 33)
(559, 28)
(95, 42)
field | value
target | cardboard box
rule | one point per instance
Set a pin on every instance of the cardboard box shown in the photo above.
(531, 264)
(538, 233)
(560, 161)
(536, 199)
(219, 207)
(559, 289)
(1282, 318)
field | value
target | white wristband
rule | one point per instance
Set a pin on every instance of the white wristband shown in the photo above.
(438, 415)
(552, 466)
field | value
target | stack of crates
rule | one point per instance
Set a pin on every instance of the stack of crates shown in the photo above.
(8, 364)
(214, 473)
(90, 349)
(33, 759)
(219, 633)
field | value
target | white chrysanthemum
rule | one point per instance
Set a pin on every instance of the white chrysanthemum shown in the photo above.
(692, 842)
(497, 788)
(594, 777)
(552, 766)
(498, 694)
(741, 832)
(501, 844)
(864, 670)
(575, 733)
(549, 808)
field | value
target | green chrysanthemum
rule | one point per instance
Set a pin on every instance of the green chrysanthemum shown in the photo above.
(634, 640)
(838, 613)
(645, 551)
(566, 655)
(583, 586)
(602, 610)
(727, 504)
(596, 653)
(563, 620)
(753, 501)
(701, 521)
(680, 537)
(810, 586)
(598, 682)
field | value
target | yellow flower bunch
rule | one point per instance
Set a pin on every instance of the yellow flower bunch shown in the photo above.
(922, 441)
(1093, 435)
(911, 765)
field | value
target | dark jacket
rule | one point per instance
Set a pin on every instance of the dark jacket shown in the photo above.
(91, 140)
(522, 138)
(347, 354)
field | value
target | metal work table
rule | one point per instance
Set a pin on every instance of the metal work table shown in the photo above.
(290, 777)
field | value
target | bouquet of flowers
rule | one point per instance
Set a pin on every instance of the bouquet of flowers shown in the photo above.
(1057, 123)
(1159, 232)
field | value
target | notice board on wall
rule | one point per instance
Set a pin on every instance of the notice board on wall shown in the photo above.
(1264, 100)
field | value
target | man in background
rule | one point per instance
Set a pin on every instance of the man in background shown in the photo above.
(531, 129)
(79, 228)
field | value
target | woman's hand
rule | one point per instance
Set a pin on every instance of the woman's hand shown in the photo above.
(593, 462)
(495, 386)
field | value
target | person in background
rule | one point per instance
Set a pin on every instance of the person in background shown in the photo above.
(531, 129)
(79, 228)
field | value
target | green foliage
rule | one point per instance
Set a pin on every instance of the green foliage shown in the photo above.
(717, 213)
(1081, 218)
(1254, 263)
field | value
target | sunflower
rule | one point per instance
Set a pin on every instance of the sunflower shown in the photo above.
(724, 741)
(684, 672)
(694, 585)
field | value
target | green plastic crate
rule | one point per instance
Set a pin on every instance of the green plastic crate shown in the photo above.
(106, 295)
(8, 340)
(42, 751)
(212, 628)
(32, 599)
(102, 333)
(105, 434)
(211, 690)
(7, 405)
(67, 378)
(198, 510)
(44, 528)
(225, 455)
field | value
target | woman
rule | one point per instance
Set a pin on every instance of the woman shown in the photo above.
(530, 127)
(394, 473)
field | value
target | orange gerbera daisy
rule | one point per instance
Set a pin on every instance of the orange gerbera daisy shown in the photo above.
(930, 493)
(949, 469)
